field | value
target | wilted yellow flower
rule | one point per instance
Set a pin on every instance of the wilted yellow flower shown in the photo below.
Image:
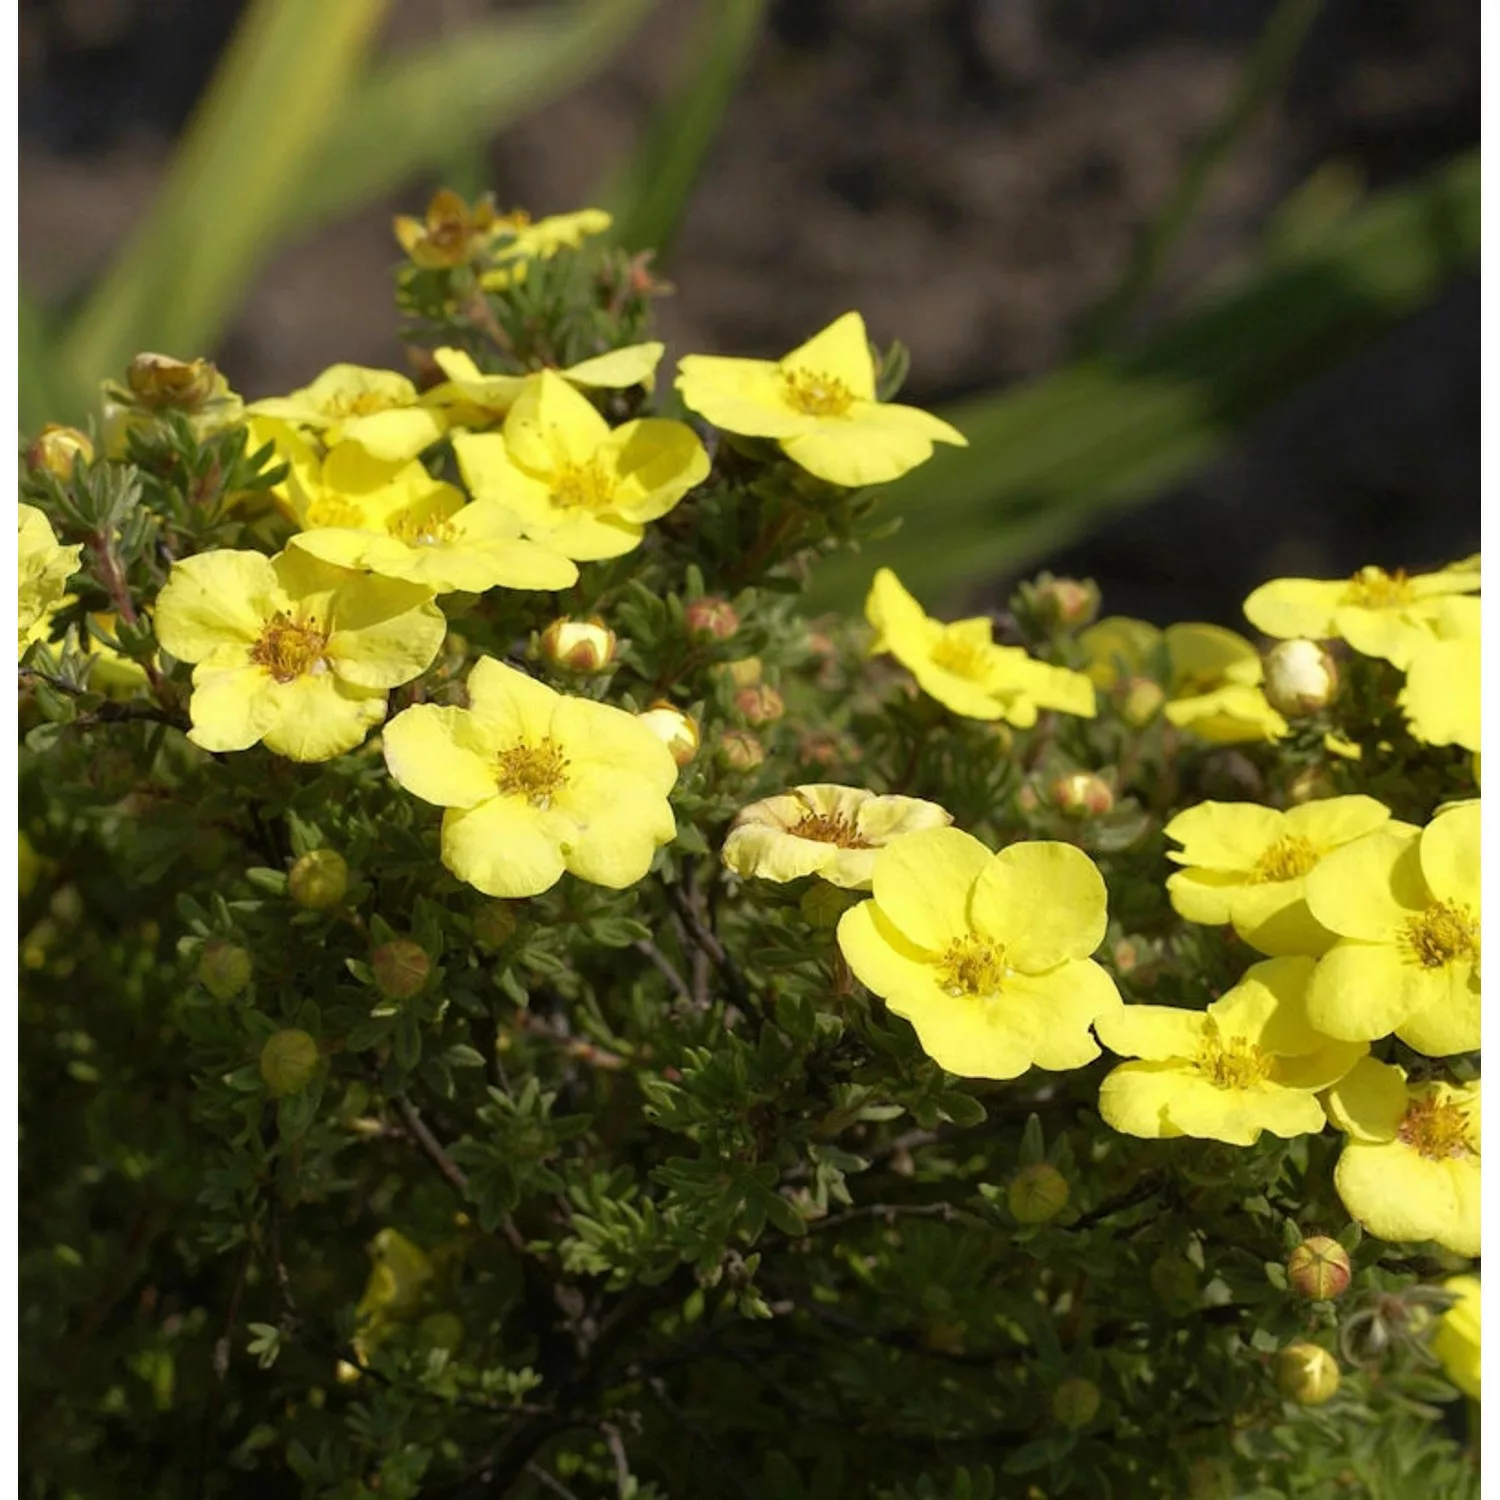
(962, 667)
(822, 829)
(519, 239)
(450, 234)
(1410, 1169)
(43, 567)
(291, 650)
(1405, 905)
(400, 1274)
(1251, 1062)
(1247, 865)
(1442, 692)
(581, 488)
(155, 384)
(987, 955)
(402, 523)
(819, 403)
(535, 783)
(1456, 1341)
(377, 409)
(1380, 614)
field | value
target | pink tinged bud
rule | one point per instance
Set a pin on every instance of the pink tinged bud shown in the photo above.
(579, 645)
(676, 730)
(288, 1062)
(223, 968)
(319, 879)
(1300, 678)
(1067, 602)
(1306, 1374)
(711, 620)
(739, 750)
(1075, 1403)
(400, 968)
(1319, 1268)
(759, 705)
(1082, 795)
(1036, 1194)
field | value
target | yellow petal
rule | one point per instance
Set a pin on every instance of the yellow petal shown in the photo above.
(392, 436)
(1397, 1194)
(505, 847)
(1394, 635)
(754, 850)
(385, 632)
(1225, 835)
(1118, 645)
(1369, 889)
(319, 717)
(868, 446)
(1274, 918)
(1316, 1071)
(1204, 895)
(1442, 693)
(216, 599)
(551, 425)
(438, 754)
(608, 740)
(656, 463)
(1361, 991)
(1449, 853)
(1157, 1033)
(1045, 901)
(882, 959)
(1447, 1019)
(619, 368)
(1064, 1003)
(1331, 822)
(1290, 607)
(621, 821)
(231, 707)
(1269, 1007)
(841, 351)
(745, 396)
(1368, 1103)
(508, 706)
(1135, 1097)
(922, 884)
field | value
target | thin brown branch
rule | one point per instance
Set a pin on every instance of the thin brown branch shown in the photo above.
(890, 1212)
(666, 968)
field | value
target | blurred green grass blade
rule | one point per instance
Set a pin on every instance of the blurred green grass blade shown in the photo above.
(1265, 73)
(45, 395)
(1047, 458)
(183, 270)
(652, 194)
(420, 111)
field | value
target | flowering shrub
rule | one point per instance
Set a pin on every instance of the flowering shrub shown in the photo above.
(510, 1007)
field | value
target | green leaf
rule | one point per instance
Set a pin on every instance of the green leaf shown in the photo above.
(1047, 458)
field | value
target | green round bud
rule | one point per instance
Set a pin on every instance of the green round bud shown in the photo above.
(1175, 1280)
(495, 924)
(1319, 1268)
(319, 879)
(224, 968)
(440, 1330)
(1036, 1194)
(1210, 1479)
(1075, 1403)
(287, 1062)
(1082, 795)
(1307, 1374)
(400, 968)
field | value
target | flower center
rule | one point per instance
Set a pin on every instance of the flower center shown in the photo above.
(584, 487)
(829, 828)
(1441, 934)
(1286, 859)
(972, 965)
(1230, 1062)
(817, 395)
(1374, 588)
(333, 510)
(1437, 1128)
(361, 403)
(289, 649)
(419, 528)
(964, 658)
(535, 772)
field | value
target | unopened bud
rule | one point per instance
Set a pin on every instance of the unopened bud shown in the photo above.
(1036, 1194)
(287, 1062)
(739, 750)
(1300, 678)
(1319, 1268)
(579, 645)
(1127, 956)
(711, 620)
(1028, 799)
(822, 905)
(676, 730)
(1307, 1374)
(759, 705)
(223, 968)
(494, 924)
(58, 448)
(746, 672)
(1140, 700)
(158, 381)
(1082, 795)
(400, 968)
(1067, 602)
(1075, 1403)
(1310, 784)
(319, 879)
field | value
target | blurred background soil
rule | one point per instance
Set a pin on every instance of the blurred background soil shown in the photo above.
(970, 174)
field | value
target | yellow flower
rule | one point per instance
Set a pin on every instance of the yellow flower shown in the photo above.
(378, 409)
(1410, 1169)
(475, 399)
(987, 955)
(290, 650)
(1213, 675)
(962, 667)
(535, 783)
(832, 831)
(43, 568)
(1248, 865)
(581, 488)
(1456, 1341)
(519, 240)
(819, 403)
(406, 524)
(1442, 696)
(1250, 1062)
(1405, 905)
(1380, 614)
(449, 235)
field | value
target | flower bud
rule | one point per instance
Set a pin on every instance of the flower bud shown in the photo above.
(400, 968)
(287, 1062)
(1300, 678)
(494, 924)
(759, 705)
(1319, 1268)
(676, 730)
(711, 620)
(1140, 700)
(1310, 784)
(223, 968)
(1306, 1374)
(1127, 956)
(739, 750)
(1082, 795)
(746, 672)
(1036, 1193)
(58, 448)
(1066, 602)
(579, 645)
(822, 905)
(158, 381)
(319, 879)
(1075, 1403)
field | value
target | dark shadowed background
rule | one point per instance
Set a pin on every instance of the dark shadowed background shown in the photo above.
(970, 174)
